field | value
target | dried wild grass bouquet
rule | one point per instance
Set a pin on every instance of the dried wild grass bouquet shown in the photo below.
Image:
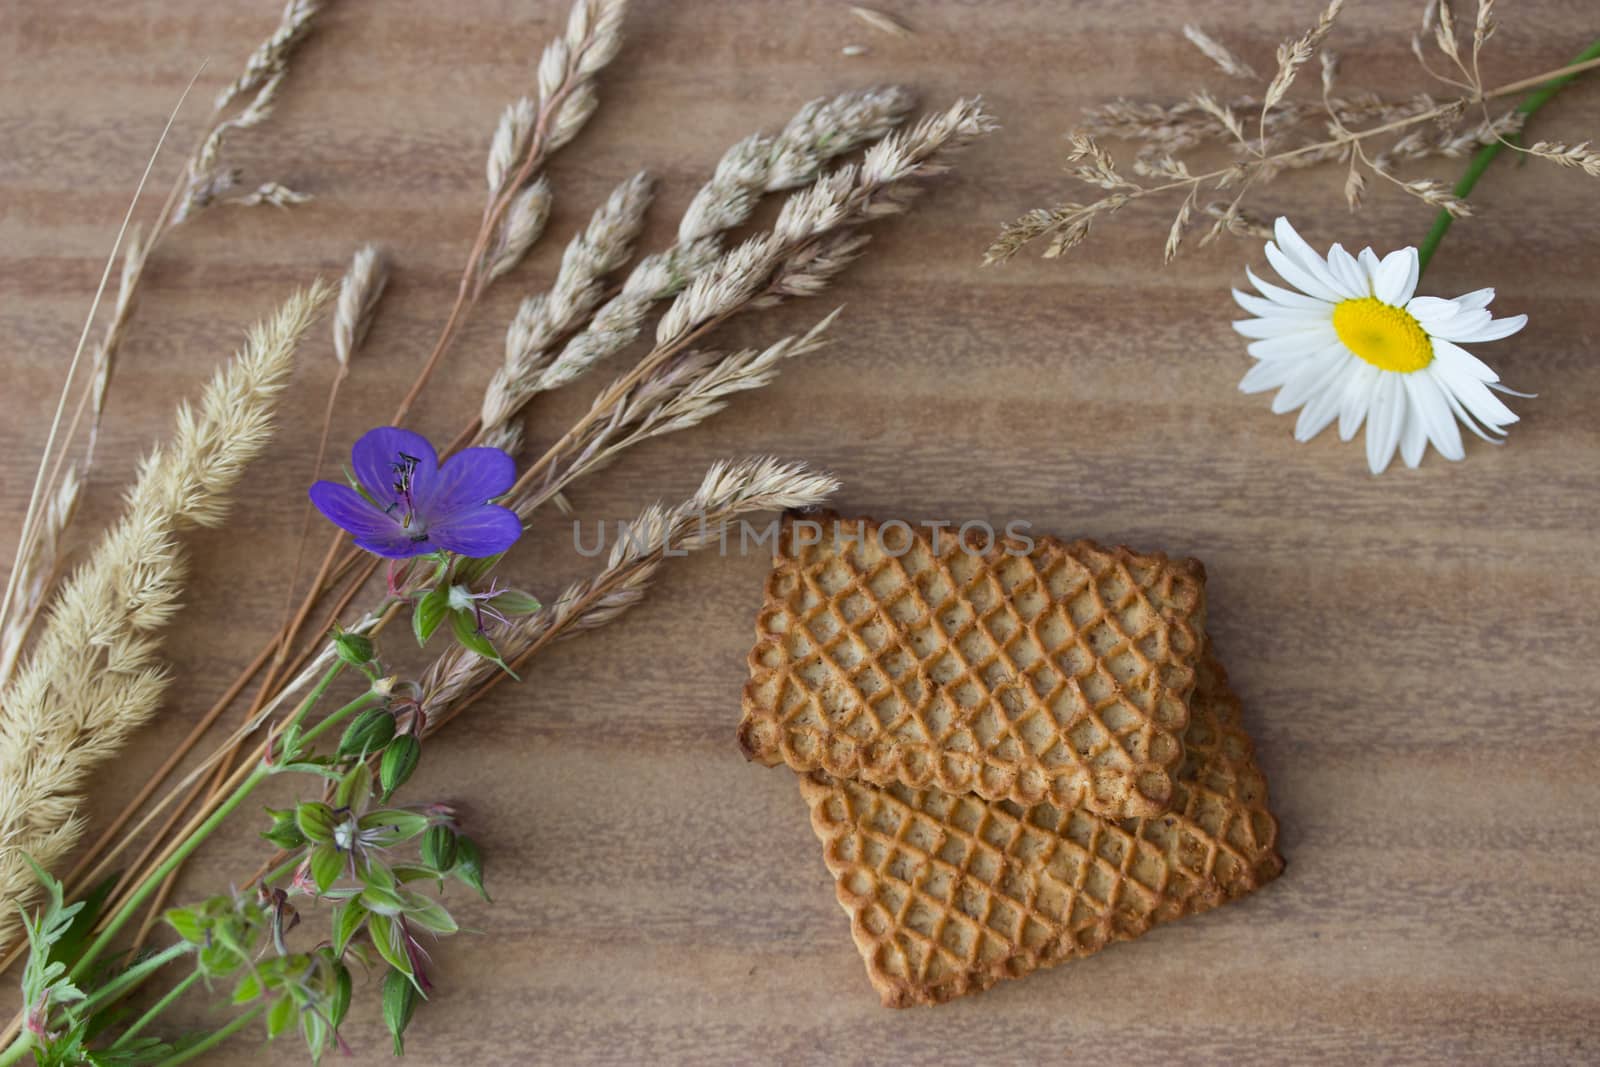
(351, 871)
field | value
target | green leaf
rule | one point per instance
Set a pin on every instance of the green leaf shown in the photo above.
(469, 637)
(470, 571)
(399, 761)
(393, 825)
(429, 914)
(327, 863)
(280, 1016)
(187, 923)
(385, 940)
(354, 787)
(399, 1004)
(347, 920)
(381, 900)
(429, 613)
(516, 602)
(70, 942)
(316, 820)
(248, 989)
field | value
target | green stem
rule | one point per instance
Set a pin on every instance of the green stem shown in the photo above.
(315, 695)
(1486, 155)
(130, 979)
(18, 1049)
(150, 884)
(286, 867)
(211, 1042)
(160, 1006)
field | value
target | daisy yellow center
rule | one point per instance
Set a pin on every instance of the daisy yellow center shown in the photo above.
(1385, 336)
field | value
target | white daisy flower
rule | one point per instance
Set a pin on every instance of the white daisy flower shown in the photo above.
(1355, 344)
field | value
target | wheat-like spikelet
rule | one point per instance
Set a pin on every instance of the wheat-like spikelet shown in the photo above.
(93, 675)
(730, 489)
(38, 567)
(271, 57)
(208, 180)
(821, 130)
(524, 222)
(682, 394)
(359, 292)
(1218, 52)
(541, 321)
(529, 131)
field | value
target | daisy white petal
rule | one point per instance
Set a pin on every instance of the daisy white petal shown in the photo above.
(1267, 375)
(1310, 378)
(1322, 408)
(1429, 309)
(1427, 401)
(1484, 405)
(1295, 344)
(1301, 277)
(1396, 279)
(1302, 255)
(1478, 298)
(1355, 400)
(1385, 422)
(1369, 261)
(1413, 440)
(1493, 330)
(1353, 283)
(1276, 327)
(1286, 297)
(1319, 311)
(1460, 360)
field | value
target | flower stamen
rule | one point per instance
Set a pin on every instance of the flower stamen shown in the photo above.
(1388, 337)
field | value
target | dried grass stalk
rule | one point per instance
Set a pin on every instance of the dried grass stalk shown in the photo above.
(94, 675)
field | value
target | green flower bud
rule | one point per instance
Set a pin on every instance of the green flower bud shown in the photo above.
(399, 761)
(339, 996)
(469, 864)
(370, 731)
(439, 848)
(399, 1004)
(354, 649)
(285, 832)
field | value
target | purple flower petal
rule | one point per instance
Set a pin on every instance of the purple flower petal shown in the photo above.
(468, 479)
(482, 531)
(395, 544)
(345, 508)
(374, 457)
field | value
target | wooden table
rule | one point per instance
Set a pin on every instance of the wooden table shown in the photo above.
(1413, 650)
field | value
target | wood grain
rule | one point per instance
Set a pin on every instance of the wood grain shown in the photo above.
(1414, 651)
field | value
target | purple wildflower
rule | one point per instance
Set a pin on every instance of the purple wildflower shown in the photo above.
(410, 505)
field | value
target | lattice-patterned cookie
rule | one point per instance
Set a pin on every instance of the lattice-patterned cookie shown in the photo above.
(949, 894)
(1057, 672)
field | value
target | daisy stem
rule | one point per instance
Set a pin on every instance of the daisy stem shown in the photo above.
(1486, 155)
